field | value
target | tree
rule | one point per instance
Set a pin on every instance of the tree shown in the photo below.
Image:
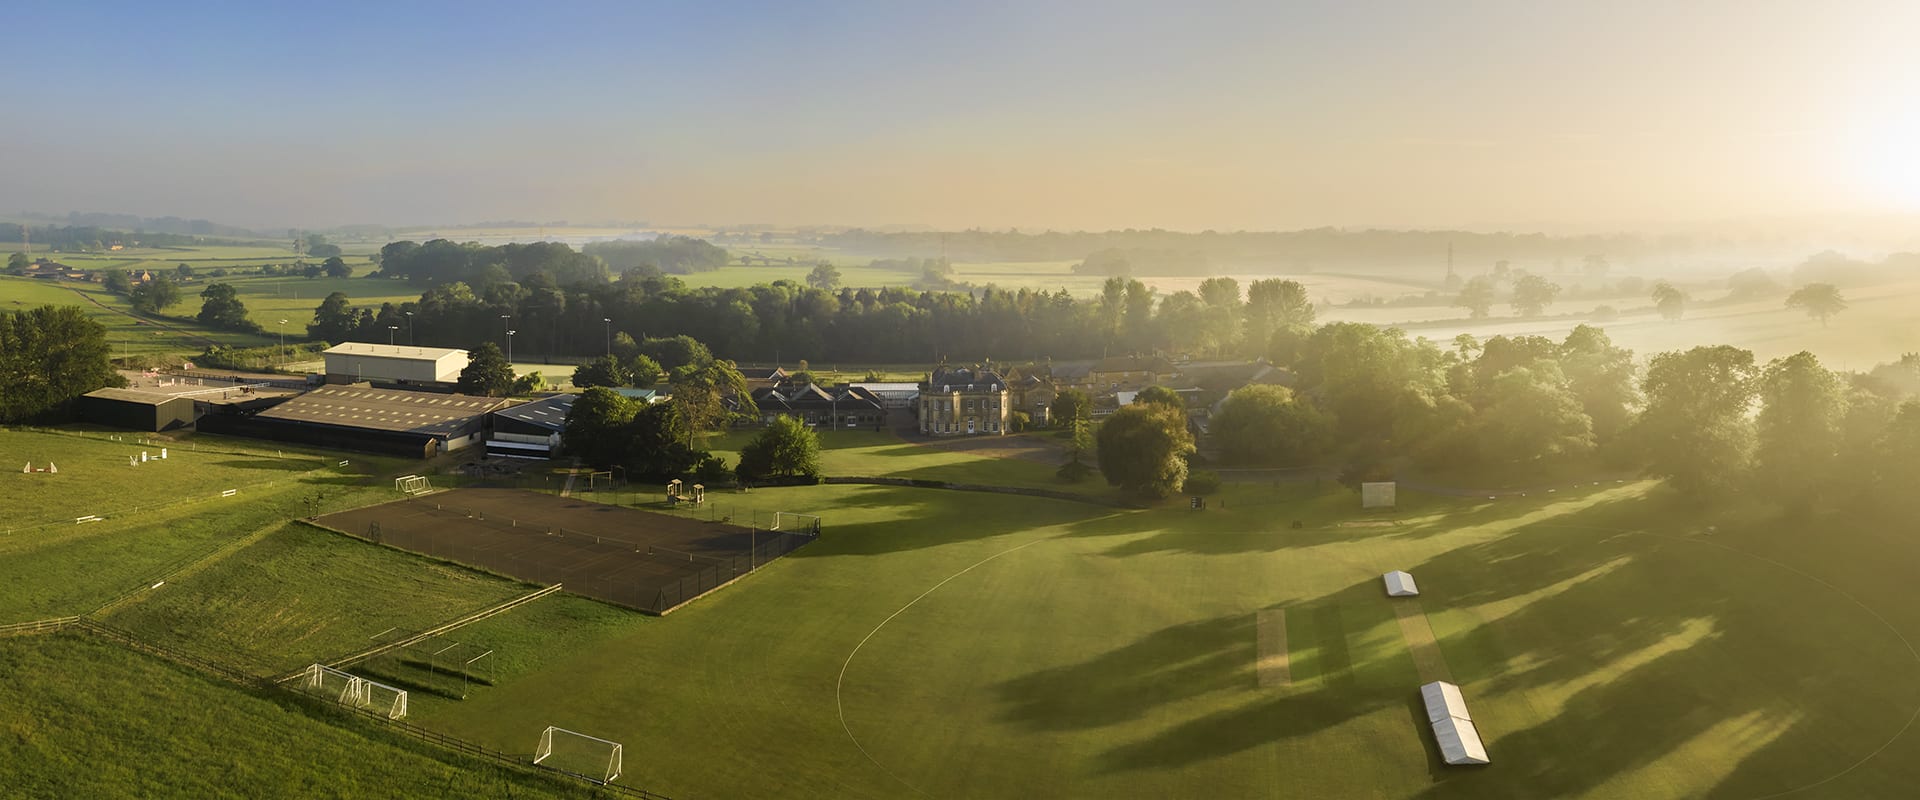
(1602, 377)
(644, 372)
(1267, 425)
(1802, 407)
(1695, 429)
(1273, 304)
(487, 373)
(18, 263)
(675, 352)
(336, 267)
(1143, 450)
(49, 356)
(1821, 300)
(221, 308)
(602, 371)
(185, 271)
(596, 427)
(1669, 300)
(1069, 405)
(1532, 294)
(117, 282)
(332, 320)
(1162, 396)
(1531, 415)
(328, 251)
(824, 277)
(785, 448)
(1079, 444)
(154, 295)
(1476, 297)
(701, 393)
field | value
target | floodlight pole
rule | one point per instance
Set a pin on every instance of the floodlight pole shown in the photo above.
(609, 321)
(506, 321)
(409, 329)
(510, 347)
(390, 331)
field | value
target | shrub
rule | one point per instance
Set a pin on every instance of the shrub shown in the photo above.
(1202, 481)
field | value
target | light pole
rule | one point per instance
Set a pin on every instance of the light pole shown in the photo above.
(283, 338)
(390, 331)
(510, 347)
(506, 320)
(609, 321)
(409, 329)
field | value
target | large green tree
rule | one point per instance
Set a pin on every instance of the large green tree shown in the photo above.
(1695, 430)
(1069, 405)
(221, 308)
(18, 263)
(487, 372)
(1161, 395)
(1602, 376)
(824, 276)
(1269, 426)
(702, 394)
(1669, 300)
(596, 430)
(333, 319)
(1532, 294)
(1143, 450)
(49, 356)
(785, 448)
(1803, 405)
(1476, 297)
(602, 371)
(1530, 414)
(155, 295)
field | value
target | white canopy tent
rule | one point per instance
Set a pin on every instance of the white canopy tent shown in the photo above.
(1400, 584)
(1453, 727)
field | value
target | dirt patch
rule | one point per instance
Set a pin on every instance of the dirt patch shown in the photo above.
(1420, 640)
(1271, 663)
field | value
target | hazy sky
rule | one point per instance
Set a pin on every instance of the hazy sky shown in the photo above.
(1187, 115)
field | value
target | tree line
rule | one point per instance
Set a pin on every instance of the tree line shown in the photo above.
(49, 356)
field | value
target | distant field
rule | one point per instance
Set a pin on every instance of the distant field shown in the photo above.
(94, 477)
(129, 334)
(293, 298)
(89, 719)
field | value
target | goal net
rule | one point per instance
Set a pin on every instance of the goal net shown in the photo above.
(796, 523)
(413, 484)
(598, 481)
(575, 753)
(354, 691)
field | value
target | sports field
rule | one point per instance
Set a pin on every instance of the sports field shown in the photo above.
(948, 644)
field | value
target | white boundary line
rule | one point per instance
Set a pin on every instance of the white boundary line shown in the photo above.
(841, 707)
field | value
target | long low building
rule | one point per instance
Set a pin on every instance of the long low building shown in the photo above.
(530, 430)
(391, 421)
(356, 362)
(140, 411)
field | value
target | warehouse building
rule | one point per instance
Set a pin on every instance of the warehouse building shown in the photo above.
(530, 430)
(388, 421)
(140, 411)
(358, 362)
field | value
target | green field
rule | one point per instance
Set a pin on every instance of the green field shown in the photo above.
(978, 645)
(95, 477)
(87, 719)
(294, 594)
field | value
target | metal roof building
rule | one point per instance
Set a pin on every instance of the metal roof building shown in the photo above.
(530, 430)
(415, 424)
(140, 411)
(353, 362)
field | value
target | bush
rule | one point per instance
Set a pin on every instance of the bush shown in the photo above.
(1202, 482)
(1074, 472)
(1020, 421)
(711, 470)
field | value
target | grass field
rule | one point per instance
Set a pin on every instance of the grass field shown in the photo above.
(87, 719)
(95, 478)
(980, 645)
(128, 334)
(293, 595)
(864, 453)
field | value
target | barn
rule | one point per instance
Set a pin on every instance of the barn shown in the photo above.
(356, 362)
(387, 421)
(530, 430)
(140, 411)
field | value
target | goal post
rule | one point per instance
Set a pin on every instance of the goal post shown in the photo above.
(795, 522)
(353, 691)
(412, 484)
(575, 753)
(597, 481)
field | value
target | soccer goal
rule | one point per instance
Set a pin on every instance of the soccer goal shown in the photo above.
(412, 484)
(797, 523)
(598, 481)
(574, 753)
(354, 691)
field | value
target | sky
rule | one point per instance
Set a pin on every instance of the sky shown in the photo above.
(1032, 115)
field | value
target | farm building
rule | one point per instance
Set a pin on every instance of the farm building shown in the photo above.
(850, 406)
(893, 395)
(140, 411)
(355, 362)
(390, 421)
(530, 430)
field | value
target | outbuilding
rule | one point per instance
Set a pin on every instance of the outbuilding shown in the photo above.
(530, 430)
(412, 424)
(356, 362)
(140, 411)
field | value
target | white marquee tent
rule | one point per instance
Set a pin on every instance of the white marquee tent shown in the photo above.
(1400, 584)
(1452, 726)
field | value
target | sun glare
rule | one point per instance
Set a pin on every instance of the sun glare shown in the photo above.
(1886, 157)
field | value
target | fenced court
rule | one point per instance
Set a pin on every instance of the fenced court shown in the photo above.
(639, 559)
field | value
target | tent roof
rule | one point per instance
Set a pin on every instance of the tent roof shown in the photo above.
(1400, 584)
(1460, 742)
(1444, 700)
